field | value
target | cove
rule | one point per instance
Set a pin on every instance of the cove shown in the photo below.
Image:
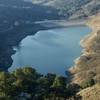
(50, 51)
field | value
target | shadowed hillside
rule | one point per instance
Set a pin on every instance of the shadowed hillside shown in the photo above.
(17, 20)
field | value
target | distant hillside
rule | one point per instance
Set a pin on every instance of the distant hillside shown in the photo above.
(73, 8)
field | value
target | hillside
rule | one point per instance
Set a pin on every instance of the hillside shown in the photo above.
(86, 70)
(88, 63)
(73, 9)
(91, 93)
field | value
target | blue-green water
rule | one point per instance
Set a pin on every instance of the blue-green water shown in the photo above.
(50, 51)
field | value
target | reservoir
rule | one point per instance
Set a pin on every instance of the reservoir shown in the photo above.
(50, 51)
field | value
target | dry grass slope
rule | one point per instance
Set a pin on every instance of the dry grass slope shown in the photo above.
(88, 64)
(89, 61)
(91, 93)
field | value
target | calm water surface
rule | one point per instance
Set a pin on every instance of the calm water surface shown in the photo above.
(51, 50)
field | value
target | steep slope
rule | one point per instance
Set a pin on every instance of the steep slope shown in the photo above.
(88, 64)
(90, 8)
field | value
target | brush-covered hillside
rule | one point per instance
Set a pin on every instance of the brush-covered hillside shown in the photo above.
(73, 8)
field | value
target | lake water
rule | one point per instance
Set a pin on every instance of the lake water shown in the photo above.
(50, 51)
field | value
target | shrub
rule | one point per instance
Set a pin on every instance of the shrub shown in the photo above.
(87, 83)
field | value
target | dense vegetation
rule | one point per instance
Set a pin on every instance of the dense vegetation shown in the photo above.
(29, 84)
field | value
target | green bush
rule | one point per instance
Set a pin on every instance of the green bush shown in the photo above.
(87, 83)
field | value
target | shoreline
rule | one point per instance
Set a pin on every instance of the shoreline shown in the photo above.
(61, 23)
(17, 37)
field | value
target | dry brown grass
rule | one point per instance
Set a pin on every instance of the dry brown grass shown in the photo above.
(91, 93)
(89, 61)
